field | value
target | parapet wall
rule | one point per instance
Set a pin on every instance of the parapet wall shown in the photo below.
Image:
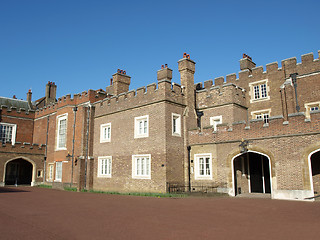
(296, 125)
(164, 91)
(307, 65)
(23, 148)
(86, 96)
(15, 112)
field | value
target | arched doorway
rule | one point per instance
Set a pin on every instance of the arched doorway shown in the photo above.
(18, 172)
(251, 173)
(315, 171)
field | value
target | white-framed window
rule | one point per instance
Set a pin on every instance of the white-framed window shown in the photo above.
(311, 107)
(39, 173)
(104, 166)
(214, 121)
(50, 172)
(203, 166)
(141, 166)
(62, 132)
(141, 126)
(262, 114)
(176, 124)
(58, 177)
(8, 133)
(105, 132)
(259, 90)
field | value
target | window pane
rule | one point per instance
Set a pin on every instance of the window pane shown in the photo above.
(256, 92)
(263, 90)
(207, 166)
(201, 166)
(145, 126)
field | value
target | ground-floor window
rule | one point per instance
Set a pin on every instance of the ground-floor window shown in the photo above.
(141, 166)
(58, 171)
(50, 172)
(203, 166)
(104, 166)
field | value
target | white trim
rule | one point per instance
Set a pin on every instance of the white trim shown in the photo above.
(263, 112)
(55, 176)
(215, 121)
(109, 166)
(251, 92)
(137, 121)
(308, 106)
(197, 175)
(134, 167)
(178, 124)
(14, 131)
(59, 118)
(231, 191)
(50, 178)
(102, 135)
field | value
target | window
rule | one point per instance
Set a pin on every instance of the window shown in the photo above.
(259, 90)
(105, 132)
(39, 173)
(176, 124)
(8, 133)
(50, 172)
(311, 107)
(262, 114)
(62, 132)
(203, 166)
(104, 166)
(141, 166)
(58, 171)
(214, 121)
(141, 126)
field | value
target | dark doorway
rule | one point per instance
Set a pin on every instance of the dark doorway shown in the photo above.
(18, 172)
(252, 174)
(315, 168)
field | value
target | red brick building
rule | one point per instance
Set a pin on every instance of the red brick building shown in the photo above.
(255, 132)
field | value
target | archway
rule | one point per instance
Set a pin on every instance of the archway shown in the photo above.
(251, 172)
(315, 171)
(18, 171)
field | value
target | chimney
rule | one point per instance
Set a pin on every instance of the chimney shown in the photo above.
(29, 98)
(246, 63)
(164, 73)
(121, 82)
(51, 91)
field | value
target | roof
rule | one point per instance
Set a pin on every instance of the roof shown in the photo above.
(16, 103)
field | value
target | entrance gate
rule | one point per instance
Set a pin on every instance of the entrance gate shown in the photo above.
(315, 170)
(18, 172)
(251, 173)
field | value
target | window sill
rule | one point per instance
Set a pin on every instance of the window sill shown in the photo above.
(104, 176)
(141, 177)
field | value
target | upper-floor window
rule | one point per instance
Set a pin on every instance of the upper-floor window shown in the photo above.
(62, 132)
(104, 166)
(8, 133)
(262, 114)
(214, 121)
(141, 126)
(259, 90)
(141, 166)
(105, 132)
(311, 107)
(176, 124)
(203, 166)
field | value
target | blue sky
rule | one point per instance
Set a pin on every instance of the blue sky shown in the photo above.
(79, 44)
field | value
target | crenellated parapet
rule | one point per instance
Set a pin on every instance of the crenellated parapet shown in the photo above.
(17, 112)
(226, 93)
(23, 148)
(84, 97)
(295, 126)
(153, 93)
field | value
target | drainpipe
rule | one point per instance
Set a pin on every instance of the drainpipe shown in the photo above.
(74, 130)
(87, 147)
(189, 171)
(46, 151)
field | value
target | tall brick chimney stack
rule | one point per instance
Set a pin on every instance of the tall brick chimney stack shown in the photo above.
(29, 98)
(121, 82)
(246, 63)
(187, 69)
(164, 73)
(51, 91)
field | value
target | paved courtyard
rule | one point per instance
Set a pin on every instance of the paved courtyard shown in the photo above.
(36, 213)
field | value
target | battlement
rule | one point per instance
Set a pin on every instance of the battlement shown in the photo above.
(296, 125)
(307, 65)
(18, 147)
(17, 112)
(163, 91)
(220, 94)
(86, 96)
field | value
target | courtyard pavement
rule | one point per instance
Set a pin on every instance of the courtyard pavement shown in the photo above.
(37, 213)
